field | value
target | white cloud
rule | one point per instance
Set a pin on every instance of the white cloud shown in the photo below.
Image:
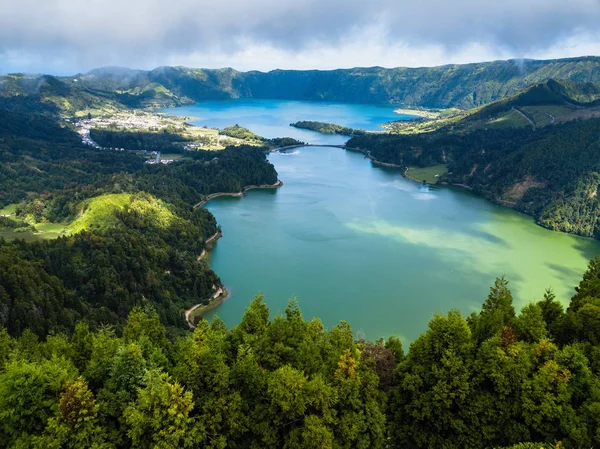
(66, 35)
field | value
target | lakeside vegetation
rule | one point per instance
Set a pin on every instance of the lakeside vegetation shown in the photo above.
(547, 169)
(493, 379)
(326, 128)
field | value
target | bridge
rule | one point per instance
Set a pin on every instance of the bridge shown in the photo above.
(300, 145)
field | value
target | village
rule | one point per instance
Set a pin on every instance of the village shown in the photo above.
(193, 138)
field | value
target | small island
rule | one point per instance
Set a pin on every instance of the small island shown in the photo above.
(326, 128)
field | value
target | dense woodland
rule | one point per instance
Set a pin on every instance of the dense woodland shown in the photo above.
(326, 128)
(101, 274)
(493, 379)
(39, 155)
(165, 141)
(143, 253)
(551, 173)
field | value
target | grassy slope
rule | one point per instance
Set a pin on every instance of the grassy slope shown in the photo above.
(429, 174)
(538, 105)
(99, 212)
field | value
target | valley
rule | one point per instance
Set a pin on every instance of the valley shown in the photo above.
(405, 294)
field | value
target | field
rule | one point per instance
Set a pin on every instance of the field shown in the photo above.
(427, 174)
(44, 231)
(510, 119)
(8, 210)
(546, 115)
(175, 156)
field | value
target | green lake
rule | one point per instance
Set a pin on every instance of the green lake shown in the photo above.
(356, 242)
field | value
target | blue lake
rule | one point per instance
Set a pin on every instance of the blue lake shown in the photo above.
(271, 118)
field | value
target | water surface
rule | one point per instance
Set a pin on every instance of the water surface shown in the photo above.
(356, 242)
(360, 243)
(271, 118)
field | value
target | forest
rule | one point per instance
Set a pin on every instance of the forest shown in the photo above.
(131, 234)
(165, 142)
(493, 379)
(551, 173)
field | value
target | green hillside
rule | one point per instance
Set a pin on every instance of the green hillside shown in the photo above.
(548, 102)
(89, 234)
(100, 212)
(464, 86)
(536, 151)
(541, 104)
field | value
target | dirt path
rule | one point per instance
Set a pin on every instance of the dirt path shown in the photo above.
(523, 114)
(212, 196)
(218, 293)
(213, 237)
(221, 292)
(551, 116)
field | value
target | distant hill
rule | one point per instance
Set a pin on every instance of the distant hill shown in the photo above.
(551, 101)
(541, 104)
(535, 151)
(460, 85)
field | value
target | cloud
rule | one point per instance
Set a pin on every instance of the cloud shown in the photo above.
(69, 35)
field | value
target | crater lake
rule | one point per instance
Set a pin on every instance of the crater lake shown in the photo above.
(357, 242)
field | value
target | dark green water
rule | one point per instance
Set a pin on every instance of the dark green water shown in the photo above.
(356, 242)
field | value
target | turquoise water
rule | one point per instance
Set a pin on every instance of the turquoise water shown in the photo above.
(356, 242)
(271, 118)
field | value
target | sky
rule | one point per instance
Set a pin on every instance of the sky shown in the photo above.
(71, 36)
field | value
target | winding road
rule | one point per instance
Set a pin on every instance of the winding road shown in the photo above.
(526, 118)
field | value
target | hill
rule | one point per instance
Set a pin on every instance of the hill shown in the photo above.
(461, 85)
(100, 212)
(541, 104)
(535, 151)
(548, 102)
(106, 232)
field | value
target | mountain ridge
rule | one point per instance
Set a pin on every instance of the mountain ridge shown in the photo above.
(455, 85)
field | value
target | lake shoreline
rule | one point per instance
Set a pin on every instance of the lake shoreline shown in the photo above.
(222, 292)
(198, 310)
(422, 113)
(239, 194)
(375, 161)
(219, 296)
